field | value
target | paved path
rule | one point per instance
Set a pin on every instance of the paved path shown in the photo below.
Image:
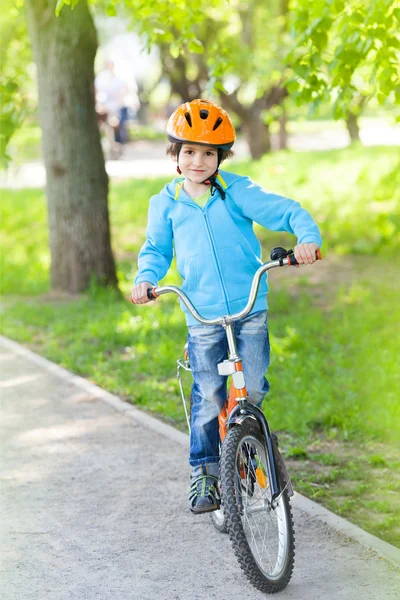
(94, 507)
(147, 158)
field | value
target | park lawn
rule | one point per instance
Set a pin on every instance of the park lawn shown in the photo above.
(334, 326)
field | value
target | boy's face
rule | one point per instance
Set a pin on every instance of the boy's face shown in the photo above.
(197, 162)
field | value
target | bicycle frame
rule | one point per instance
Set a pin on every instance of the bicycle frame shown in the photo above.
(237, 407)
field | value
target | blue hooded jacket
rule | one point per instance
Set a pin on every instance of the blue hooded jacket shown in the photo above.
(216, 248)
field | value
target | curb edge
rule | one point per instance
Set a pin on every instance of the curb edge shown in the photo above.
(308, 506)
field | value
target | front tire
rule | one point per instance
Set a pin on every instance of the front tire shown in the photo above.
(262, 536)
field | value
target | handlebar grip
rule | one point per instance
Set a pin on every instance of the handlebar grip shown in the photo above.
(151, 294)
(292, 260)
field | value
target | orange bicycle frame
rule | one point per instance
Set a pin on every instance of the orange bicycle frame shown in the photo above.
(235, 394)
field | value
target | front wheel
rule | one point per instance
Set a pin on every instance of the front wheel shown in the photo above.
(262, 535)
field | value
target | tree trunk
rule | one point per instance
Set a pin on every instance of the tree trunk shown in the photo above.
(283, 130)
(257, 135)
(77, 183)
(353, 127)
(255, 130)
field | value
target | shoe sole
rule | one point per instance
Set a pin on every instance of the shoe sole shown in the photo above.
(205, 510)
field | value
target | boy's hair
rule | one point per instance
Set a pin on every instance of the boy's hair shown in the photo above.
(174, 147)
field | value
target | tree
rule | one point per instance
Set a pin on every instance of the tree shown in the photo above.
(64, 48)
(337, 41)
(77, 184)
(239, 58)
(258, 64)
(333, 40)
(240, 42)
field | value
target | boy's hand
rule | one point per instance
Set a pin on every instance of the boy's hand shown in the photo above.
(305, 253)
(139, 293)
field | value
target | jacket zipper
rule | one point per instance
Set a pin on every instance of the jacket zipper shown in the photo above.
(211, 240)
(216, 258)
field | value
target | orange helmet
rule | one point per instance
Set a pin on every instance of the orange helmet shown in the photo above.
(201, 122)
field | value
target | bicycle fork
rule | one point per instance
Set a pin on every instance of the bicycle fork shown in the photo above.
(237, 408)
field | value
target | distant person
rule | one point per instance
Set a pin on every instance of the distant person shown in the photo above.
(205, 216)
(114, 98)
(131, 100)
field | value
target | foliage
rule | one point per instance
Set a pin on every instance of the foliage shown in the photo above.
(60, 4)
(342, 47)
(15, 56)
(250, 42)
(240, 61)
(26, 142)
(339, 48)
(240, 46)
(171, 22)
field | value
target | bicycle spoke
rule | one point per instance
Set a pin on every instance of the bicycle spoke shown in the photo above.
(261, 524)
(262, 536)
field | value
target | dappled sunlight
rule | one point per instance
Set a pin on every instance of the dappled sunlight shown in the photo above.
(82, 397)
(69, 431)
(283, 347)
(129, 323)
(29, 473)
(357, 293)
(34, 404)
(21, 380)
(7, 356)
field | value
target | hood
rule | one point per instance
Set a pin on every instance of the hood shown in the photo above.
(225, 177)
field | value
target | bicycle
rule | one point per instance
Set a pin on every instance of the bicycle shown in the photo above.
(254, 484)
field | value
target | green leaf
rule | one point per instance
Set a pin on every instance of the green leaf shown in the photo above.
(60, 4)
(174, 50)
(196, 46)
(111, 10)
(292, 86)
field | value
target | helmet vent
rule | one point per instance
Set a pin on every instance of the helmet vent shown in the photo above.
(217, 123)
(188, 119)
(203, 114)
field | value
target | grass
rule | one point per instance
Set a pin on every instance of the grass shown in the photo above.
(334, 326)
(361, 488)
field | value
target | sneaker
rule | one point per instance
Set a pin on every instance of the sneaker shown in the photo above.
(203, 495)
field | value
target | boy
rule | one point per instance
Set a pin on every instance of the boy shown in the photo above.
(207, 218)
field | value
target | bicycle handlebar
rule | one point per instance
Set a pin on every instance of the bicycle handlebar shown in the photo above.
(279, 258)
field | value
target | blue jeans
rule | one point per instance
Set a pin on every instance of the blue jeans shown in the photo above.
(208, 347)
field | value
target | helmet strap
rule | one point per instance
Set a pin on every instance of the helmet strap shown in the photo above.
(210, 180)
(215, 185)
(213, 179)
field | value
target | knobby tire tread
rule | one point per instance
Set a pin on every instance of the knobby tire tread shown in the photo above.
(234, 523)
